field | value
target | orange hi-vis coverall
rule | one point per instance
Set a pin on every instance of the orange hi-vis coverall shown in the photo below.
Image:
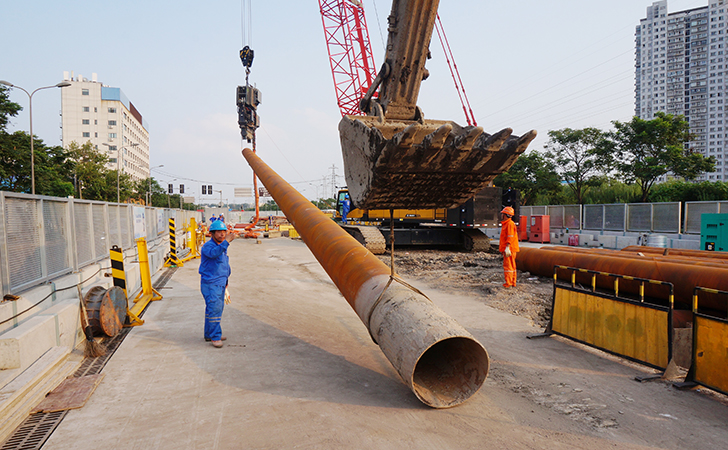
(509, 237)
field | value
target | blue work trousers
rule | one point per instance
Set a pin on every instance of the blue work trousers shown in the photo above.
(214, 302)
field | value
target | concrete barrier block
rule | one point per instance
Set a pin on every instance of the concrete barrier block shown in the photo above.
(14, 309)
(22, 345)
(65, 287)
(90, 274)
(625, 241)
(608, 241)
(685, 244)
(67, 319)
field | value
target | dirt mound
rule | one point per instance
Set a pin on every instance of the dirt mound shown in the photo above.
(479, 274)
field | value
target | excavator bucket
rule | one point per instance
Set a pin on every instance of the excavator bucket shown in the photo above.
(422, 163)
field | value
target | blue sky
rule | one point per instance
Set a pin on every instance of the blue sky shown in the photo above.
(526, 65)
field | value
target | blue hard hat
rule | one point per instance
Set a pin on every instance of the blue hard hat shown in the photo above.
(218, 226)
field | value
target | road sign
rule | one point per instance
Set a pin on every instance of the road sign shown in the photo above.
(243, 192)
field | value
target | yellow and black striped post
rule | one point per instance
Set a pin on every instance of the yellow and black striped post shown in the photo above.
(172, 260)
(117, 268)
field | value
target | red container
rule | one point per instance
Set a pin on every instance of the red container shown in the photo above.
(540, 229)
(523, 229)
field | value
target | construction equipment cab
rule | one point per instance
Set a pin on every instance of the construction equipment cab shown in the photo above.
(394, 157)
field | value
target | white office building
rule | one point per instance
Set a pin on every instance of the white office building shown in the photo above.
(680, 62)
(104, 116)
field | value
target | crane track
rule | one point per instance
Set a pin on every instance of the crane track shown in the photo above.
(475, 241)
(369, 237)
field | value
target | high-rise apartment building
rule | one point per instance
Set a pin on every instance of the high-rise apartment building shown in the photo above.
(104, 116)
(680, 62)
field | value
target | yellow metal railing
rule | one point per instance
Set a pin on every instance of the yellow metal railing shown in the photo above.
(635, 329)
(710, 345)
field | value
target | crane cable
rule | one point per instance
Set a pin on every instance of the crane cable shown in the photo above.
(246, 57)
(469, 116)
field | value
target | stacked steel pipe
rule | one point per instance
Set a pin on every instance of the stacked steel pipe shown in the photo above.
(684, 269)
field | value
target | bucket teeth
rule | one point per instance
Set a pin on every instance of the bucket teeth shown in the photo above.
(427, 164)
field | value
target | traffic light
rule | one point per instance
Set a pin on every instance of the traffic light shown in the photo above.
(170, 188)
(181, 188)
(209, 189)
(204, 189)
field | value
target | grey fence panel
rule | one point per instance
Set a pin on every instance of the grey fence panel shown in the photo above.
(23, 228)
(526, 212)
(666, 217)
(614, 217)
(639, 217)
(539, 210)
(593, 217)
(101, 239)
(84, 238)
(572, 216)
(125, 217)
(693, 212)
(556, 216)
(57, 230)
(114, 226)
(151, 223)
(723, 207)
(45, 237)
(4, 281)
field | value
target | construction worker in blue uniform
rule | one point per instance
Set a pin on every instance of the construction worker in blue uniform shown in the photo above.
(213, 219)
(214, 272)
(345, 208)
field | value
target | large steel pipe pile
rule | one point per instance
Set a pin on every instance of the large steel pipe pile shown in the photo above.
(437, 358)
(684, 276)
(676, 252)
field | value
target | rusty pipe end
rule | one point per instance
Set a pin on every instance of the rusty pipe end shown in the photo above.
(450, 372)
(440, 361)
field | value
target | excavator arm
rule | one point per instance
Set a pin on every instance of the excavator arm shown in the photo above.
(393, 157)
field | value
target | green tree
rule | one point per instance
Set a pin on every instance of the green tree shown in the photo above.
(270, 205)
(532, 175)
(8, 109)
(159, 194)
(576, 158)
(681, 191)
(644, 150)
(92, 181)
(324, 203)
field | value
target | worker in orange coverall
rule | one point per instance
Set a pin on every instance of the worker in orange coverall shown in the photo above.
(508, 246)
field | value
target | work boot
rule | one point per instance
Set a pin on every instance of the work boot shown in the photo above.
(222, 339)
(217, 344)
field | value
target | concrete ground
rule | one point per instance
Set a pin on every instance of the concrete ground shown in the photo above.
(299, 371)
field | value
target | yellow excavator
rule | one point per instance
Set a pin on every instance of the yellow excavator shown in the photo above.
(394, 158)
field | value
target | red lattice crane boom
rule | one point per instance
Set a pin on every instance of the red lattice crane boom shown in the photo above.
(350, 52)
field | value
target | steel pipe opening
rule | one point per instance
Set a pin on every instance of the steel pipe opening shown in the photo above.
(435, 382)
(436, 357)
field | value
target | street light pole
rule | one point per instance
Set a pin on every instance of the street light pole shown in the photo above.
(62, 84)
(150, 182)
(119, 154)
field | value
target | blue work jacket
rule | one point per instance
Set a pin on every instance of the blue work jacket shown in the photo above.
(214, 263)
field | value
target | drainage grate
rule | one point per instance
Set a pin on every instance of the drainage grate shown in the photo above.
(34, 431)
(37, 428)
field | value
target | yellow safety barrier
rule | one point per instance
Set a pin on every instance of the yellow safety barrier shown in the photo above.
(710, 346)
(193, 238)
(626, 327)
(148, 293)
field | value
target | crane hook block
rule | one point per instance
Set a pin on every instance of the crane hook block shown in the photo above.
(246, 56)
